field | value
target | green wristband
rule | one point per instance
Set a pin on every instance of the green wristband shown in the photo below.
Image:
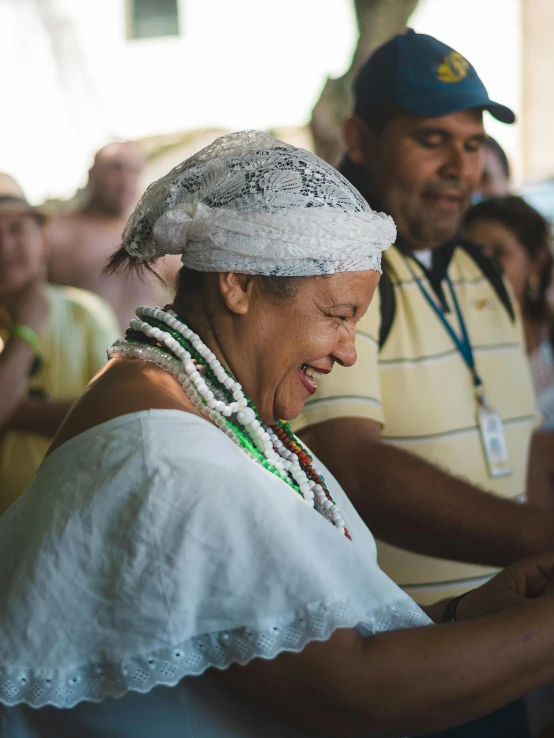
(27, 334)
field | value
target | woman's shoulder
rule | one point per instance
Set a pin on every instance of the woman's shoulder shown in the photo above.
(149, 460)
(123, 387)
(146, 439)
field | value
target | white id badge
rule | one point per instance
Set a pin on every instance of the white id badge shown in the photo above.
(493, 440)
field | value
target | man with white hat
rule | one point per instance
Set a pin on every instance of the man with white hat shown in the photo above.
(52, 342)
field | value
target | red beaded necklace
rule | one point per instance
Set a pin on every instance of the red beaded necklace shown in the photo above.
(285, 435)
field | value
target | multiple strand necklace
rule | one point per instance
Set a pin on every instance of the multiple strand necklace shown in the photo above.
(161, 337)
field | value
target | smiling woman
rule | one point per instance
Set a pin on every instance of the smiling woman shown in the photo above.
(197, 562)
(307, 313)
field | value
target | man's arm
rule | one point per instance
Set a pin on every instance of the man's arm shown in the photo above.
(15, 363)
(17, 411)
(35, 415)
(540, 475)
(411, 504)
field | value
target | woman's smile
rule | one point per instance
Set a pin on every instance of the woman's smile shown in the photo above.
(309, 375)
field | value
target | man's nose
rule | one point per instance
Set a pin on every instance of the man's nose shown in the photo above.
(456, 163)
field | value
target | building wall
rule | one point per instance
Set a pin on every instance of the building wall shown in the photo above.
(72, 79)
(537, 90)
(76, 80)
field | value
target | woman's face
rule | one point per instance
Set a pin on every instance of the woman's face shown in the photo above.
(285, 344)
(500, 243)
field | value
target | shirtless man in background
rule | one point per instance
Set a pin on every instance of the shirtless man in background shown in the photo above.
(82, 241)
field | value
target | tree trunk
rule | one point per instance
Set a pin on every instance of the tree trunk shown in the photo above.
(378, 20)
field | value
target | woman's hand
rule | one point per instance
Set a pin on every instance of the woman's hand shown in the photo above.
(512, 587)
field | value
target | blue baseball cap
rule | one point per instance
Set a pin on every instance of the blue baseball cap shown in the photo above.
(423, 76)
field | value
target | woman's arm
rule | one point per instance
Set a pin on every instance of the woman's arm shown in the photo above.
(405, 682)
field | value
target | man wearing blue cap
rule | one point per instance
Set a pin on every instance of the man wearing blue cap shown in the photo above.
(441, 378)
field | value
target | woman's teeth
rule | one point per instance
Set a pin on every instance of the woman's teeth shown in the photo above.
(311, 372)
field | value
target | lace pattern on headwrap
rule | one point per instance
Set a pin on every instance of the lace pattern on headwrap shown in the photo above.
(252, 204)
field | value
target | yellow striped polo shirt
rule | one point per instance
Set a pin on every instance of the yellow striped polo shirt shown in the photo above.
(420, 390)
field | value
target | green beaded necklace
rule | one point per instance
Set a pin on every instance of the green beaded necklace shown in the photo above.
(244, 440)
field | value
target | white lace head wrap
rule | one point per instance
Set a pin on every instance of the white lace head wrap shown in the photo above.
(249, 203)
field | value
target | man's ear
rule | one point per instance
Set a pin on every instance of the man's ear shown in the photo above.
(355, 132)
(236, 290)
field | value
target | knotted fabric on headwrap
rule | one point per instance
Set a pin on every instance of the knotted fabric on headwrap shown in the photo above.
(249, 203)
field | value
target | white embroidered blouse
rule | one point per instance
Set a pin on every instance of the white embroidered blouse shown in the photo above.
(150, 548)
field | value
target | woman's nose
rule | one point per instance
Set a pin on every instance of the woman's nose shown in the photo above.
(345, 351)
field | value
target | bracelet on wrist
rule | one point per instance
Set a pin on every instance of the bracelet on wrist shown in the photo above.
(449, 613)
(26, 334)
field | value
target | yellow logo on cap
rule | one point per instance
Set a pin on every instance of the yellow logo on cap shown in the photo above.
(453, 68)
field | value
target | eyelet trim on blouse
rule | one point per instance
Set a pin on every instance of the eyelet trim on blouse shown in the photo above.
(67, 687)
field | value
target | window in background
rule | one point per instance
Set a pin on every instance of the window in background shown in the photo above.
(150, 18)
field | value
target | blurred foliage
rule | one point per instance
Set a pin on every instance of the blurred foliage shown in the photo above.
(378, 20)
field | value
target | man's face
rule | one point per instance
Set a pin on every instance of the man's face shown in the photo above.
(424, 171)
(22, 252)
(114, 178)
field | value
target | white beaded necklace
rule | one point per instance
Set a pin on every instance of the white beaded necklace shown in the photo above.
(211, 402)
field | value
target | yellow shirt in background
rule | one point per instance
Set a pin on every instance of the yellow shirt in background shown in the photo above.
(420, 390)
(80, 328)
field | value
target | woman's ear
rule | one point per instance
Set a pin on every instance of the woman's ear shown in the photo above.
(540, 260)
(236, 290)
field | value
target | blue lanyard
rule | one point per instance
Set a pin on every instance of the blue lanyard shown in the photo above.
(462, 342)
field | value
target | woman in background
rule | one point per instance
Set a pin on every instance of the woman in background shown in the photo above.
(517, 236)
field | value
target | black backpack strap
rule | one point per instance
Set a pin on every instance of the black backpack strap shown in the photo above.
(490, 269)
(388, 305)
(492, 272)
